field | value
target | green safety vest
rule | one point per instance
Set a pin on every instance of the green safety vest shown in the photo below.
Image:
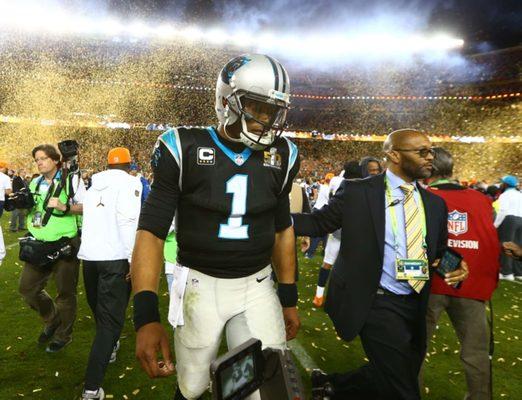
(170, 250)
(58, 226)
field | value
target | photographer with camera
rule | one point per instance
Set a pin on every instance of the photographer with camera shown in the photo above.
(52, 243)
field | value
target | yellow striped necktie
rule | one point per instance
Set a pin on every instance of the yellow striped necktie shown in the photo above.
(414, 235)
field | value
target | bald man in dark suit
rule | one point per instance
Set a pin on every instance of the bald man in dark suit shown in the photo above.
(387, 221)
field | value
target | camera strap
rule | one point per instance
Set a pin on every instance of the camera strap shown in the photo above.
(49, 191)
(56, 193)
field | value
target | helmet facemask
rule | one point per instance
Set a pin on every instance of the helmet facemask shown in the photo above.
(267, 114)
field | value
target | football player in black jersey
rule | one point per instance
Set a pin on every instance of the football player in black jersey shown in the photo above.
(229, 188)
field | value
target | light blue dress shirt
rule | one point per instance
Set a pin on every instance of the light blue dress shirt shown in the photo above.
(388, 280)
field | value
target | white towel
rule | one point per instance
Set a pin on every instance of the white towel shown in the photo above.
(176, 297)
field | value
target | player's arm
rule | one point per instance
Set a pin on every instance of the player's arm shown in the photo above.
(283, 261)
(147, 263)
(284, 258)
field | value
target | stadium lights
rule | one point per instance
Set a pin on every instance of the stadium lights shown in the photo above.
(38, 19)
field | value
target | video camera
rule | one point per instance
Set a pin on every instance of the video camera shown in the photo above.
(20, 198)
(69, 150)
(247, 368)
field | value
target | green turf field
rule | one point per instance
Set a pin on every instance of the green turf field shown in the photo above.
(26, 371)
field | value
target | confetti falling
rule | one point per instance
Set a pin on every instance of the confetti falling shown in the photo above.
(87, 82)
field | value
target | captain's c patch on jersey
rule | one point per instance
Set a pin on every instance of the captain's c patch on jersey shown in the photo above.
(272, 158)
(206, 156)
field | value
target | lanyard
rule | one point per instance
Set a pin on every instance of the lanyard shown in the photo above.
(439, 182)
(394, 217)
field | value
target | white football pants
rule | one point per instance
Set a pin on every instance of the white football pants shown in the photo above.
(332, 250)
(245, 307)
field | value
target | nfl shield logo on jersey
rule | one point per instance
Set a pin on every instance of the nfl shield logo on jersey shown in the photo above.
(457, 222)
(239, 159)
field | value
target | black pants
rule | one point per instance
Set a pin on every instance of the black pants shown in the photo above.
(394, 339)
(510, 230)
(108, 295)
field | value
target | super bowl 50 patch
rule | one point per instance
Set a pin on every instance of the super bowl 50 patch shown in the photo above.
(272, 158)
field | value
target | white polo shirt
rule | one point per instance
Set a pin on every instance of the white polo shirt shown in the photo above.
(510, 203)
(5, 183)
(111, 208)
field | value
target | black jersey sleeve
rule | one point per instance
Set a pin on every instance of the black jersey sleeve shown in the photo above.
(159, 208)
(282, 214)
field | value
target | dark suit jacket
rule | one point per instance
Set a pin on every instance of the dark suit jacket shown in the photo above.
(358, 208)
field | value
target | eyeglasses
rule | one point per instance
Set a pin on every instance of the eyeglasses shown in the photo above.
(40, 159)
(423, 152)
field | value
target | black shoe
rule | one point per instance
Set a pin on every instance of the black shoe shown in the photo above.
(57, 345)
(48, 333)
(322, 388)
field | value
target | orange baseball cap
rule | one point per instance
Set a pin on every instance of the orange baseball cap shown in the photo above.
(3, 164)
(119, 155)
(329, 177)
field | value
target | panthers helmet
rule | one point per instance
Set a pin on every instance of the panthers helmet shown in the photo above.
(253, 78)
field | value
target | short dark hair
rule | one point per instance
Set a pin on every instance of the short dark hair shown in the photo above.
(352, 170)
(50, 151)
(442, 163)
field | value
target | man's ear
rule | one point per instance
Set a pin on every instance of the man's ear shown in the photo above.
(392, 156)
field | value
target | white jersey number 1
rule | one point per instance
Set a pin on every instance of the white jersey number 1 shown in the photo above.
(234, 228)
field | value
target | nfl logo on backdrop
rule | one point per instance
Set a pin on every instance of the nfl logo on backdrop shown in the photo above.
(457, 222)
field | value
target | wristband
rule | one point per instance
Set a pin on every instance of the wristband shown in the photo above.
(145, 309)
(287, 293)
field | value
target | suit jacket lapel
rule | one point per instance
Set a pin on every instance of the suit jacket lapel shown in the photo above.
(428, 210)
(375, 197)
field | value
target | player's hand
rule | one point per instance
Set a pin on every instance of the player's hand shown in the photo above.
(460, 274)
(512, 249)
(305, 244)
(54, 202)
(151, 339)
(292, 322)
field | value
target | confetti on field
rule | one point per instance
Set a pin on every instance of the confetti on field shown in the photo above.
(121, 376)
(109, 396)
(37, 390)
(56, 374)
(135, 392)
